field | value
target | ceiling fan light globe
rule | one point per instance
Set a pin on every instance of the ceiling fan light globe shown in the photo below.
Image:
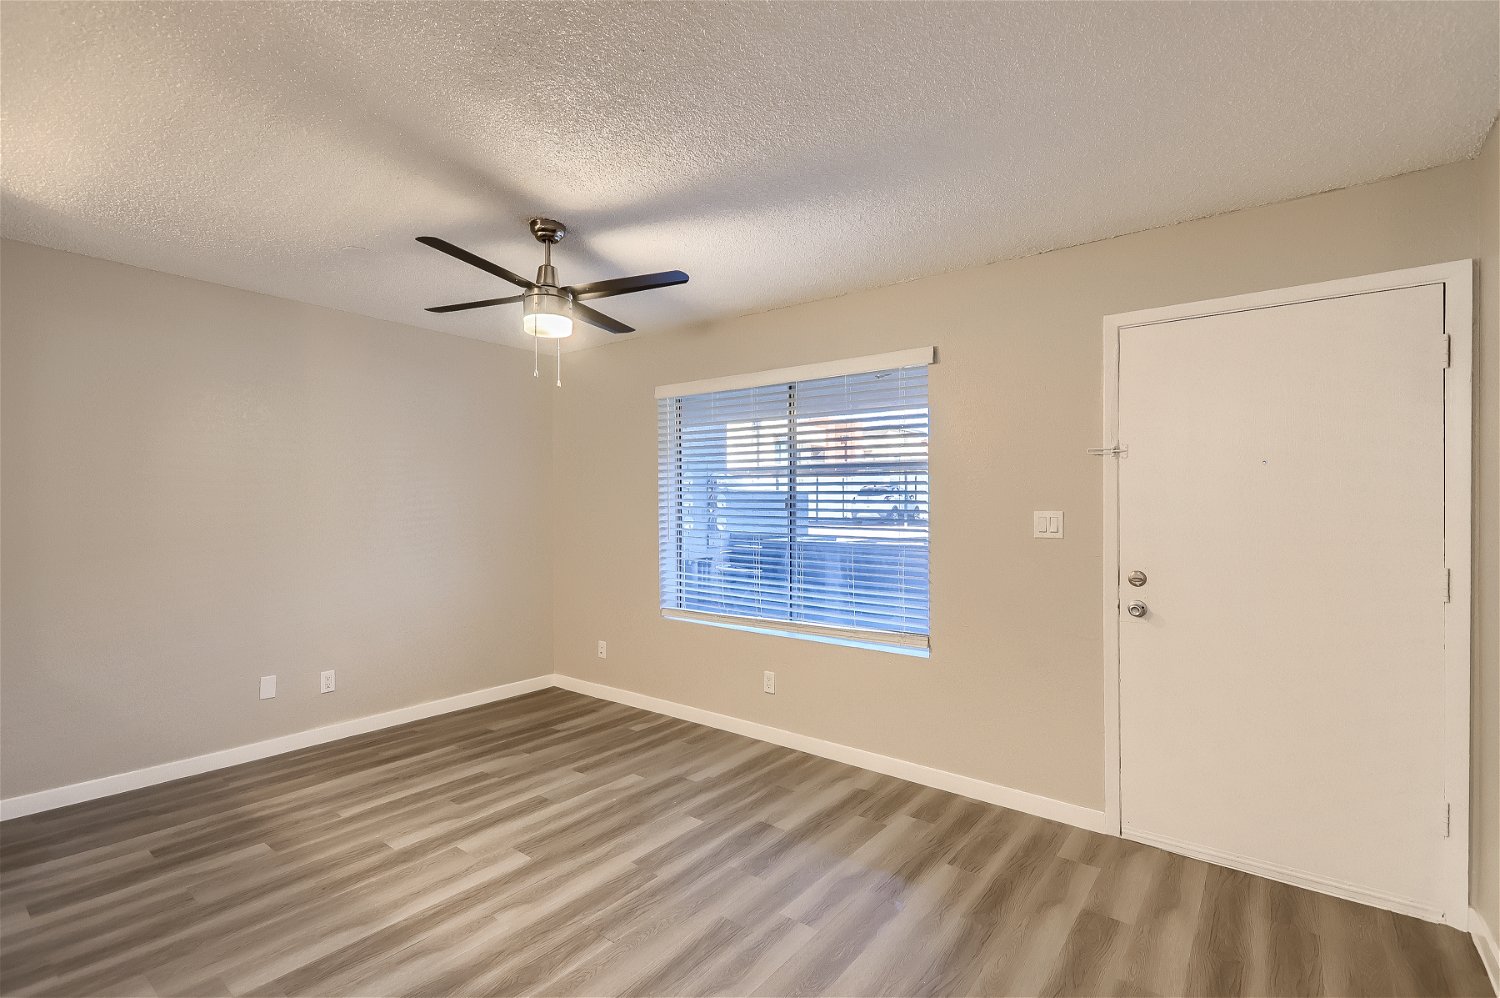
(547, 315)
(547, 325)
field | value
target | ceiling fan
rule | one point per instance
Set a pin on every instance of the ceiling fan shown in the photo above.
(548, 310)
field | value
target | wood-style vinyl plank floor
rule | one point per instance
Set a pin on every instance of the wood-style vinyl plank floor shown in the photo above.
(555, 844)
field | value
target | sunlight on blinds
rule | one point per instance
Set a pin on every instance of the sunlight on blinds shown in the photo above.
(801, 503)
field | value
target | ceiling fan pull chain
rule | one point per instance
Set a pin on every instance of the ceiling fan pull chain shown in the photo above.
(536, 358)
(559, 363)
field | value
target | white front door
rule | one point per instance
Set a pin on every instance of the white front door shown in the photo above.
(1282, 697)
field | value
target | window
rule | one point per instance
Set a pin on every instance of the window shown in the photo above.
(797, 501)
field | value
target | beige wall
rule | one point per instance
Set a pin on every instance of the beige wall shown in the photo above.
(1013, 691)
(203, 485)
(1485, 818)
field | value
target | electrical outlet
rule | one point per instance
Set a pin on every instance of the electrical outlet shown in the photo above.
(267, 687)
(768, 682)
(601, 649)
(326, 686)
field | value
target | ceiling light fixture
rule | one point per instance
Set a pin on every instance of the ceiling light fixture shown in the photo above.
(547, 315)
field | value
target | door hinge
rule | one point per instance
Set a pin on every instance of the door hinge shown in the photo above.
(1447, 585)
(1447, 351)
(1447, 820)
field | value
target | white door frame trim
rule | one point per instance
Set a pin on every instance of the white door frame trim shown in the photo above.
(1457, 280)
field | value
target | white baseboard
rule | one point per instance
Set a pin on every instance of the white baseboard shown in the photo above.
(1300, 878)
(1483, 934)
(108, 786)
(965, 786)
(993, 793)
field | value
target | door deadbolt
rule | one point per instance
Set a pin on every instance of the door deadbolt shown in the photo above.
(1136, 578)
(1136, 608)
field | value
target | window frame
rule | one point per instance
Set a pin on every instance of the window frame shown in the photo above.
(671, 519)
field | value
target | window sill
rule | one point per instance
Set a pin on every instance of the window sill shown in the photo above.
(913, 646)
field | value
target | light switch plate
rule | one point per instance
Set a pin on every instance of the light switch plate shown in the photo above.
(267, 687)
(1047, 523)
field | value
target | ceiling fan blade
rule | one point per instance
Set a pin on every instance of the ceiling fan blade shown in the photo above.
(626, 285)
(476, 304)
(458, 253)
(586, 314)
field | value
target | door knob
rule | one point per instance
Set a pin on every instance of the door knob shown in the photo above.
(1136, 578)
(1136, 608)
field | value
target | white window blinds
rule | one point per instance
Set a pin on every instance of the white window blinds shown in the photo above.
(801, 504)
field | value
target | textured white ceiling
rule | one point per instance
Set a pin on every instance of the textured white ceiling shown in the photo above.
(778, 152)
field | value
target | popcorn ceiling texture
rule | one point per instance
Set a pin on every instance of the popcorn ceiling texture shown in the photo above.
(778, 152)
